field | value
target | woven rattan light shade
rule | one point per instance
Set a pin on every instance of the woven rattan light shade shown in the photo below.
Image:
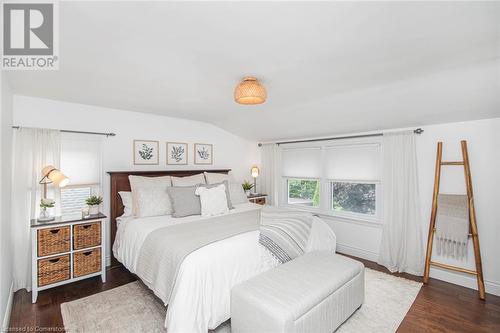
(250, 91)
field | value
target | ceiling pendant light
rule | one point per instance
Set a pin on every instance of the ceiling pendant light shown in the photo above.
(249, 92)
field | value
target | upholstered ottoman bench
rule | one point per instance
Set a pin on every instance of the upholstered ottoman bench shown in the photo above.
(313, 293)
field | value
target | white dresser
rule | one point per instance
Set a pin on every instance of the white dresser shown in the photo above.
(67, 249)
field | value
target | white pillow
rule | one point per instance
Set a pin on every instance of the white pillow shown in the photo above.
(157, 186)
(214, 177)
(127, 203)
(213, 200)
(189, 180)
(152, 201)
(237, 194)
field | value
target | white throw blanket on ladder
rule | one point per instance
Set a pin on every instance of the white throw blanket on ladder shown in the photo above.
(452, 225)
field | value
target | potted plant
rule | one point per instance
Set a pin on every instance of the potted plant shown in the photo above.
(44, 213)
(247, 186)
(93, 202)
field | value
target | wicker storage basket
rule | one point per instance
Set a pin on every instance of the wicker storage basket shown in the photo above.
(86, 262)
(53, 241)
(54, 269)
(86, 235)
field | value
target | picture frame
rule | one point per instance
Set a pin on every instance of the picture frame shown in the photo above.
(177, 153)
(146, 152)
(203, 153)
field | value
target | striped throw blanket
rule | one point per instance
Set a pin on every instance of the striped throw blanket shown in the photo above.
(285, 232)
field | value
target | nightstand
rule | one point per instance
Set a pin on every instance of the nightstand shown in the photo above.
(257, 198)
(65, 250)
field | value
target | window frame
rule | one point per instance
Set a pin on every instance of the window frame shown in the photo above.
(353, 215)
(286, 192)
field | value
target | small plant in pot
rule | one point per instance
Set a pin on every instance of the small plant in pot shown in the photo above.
(93, 202)
(247, 186)
(46, 203)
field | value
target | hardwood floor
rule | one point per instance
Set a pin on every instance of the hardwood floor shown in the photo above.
(439, 306)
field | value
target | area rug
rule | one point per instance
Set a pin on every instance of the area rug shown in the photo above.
(133, 308)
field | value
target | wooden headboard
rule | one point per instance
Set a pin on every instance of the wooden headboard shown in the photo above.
(119, 182)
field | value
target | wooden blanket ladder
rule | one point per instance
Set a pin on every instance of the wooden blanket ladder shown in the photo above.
(472, 220)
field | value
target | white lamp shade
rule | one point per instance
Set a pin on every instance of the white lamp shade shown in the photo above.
(55, 176)
(255, 172)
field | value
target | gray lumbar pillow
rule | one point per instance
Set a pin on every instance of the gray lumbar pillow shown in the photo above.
(226, 185)
(184, 201)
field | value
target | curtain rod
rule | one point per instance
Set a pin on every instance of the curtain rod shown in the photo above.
(416, 131)
(79, 132)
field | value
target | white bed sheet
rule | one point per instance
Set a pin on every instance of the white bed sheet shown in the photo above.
(206, 276)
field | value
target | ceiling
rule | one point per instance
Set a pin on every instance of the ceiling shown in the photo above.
(329, 67)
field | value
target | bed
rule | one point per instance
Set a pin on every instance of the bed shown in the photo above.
(205, 278)
(200, 299)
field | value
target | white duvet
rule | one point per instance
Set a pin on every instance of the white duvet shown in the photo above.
(207, 275)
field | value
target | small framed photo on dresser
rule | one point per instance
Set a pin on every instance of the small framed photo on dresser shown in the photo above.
(203, 153)
(177, 153)
(146, 152)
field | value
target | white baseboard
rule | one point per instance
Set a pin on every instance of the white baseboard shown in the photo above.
(464, 280)
(357, 252)
(8, 309)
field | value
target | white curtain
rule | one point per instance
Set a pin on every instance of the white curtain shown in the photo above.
(401, 249)
(32, 150)
(270, 173)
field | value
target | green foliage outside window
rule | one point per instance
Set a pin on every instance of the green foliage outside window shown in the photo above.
(353, 197)
(303, 192)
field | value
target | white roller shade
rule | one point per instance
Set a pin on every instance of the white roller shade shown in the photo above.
(301, 162)
(81, 158)
(353, 162)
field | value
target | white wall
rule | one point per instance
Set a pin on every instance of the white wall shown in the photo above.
(483, 139)
(230, 151)
(5, 193)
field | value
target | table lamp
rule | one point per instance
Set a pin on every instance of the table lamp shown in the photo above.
(50, 175)
(255, 173)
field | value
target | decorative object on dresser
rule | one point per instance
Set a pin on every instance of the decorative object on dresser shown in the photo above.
(177, 153)
(50, 175)
(255, 173)
(146, 152)
(93, 202)
(247, 186)
(203, 153)
(257, 198)
(65, 250)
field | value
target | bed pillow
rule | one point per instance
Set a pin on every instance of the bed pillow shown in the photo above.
(184, 201)
(226, 189)
(237, 194)
(189, 180)
(213, 200)
(149, 195)
(285, 232)
(127, 203)
(215, 178)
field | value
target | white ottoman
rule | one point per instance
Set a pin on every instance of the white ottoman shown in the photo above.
(313, 293)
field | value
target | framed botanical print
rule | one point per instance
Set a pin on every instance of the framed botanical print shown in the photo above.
(146, 152)
(177, 153)
(203, 153)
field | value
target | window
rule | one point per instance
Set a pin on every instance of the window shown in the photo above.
(353, 197)
(302, 170)
(303, 192)
(336, 177)
(81, 162)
